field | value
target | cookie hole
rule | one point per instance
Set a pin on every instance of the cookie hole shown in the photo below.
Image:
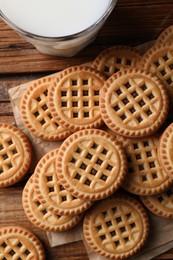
(116, 108)
(64, 104)
(104, 177)
(12, 252)
(96, 92)
(109, 223)
(96, 103)
(51, 189)
(61, 188)
(117, 243)
(78, 150)
(126, 239)
(134, 94)
(145, 143)
(5, 156)
(132, 110)
(85, 103)
(128, 62)
(45, 92)
(165, 58)
(19, 245)
(94, 146)
(106, 69)
(109, 167)
(152, 165)
(85, 92)
(119, 92)
(75, 114)
(169, 193)
(83, 166)
(75, 104)
(171, 66)
(74, 82)
(139, 118)
(99, 162)
(156, 63)
(63, 93)
(85, 81)
(38, 99)
(114, 210)
(99, 228)
(130, 169)
(144, 178)
(169, 81)
(42, 122)
(49, 178)
(4, 245)
(56, 124)
(50, 116)
(149, 154)
(123, 229)
(10, 142)
(86, 114)
(141, 103)
(89, 156)
(36, 114)
(38, 203)
(154, 175)
(10, 166)
(125, 101)
(123, 117)
(74, 93)
(138, 156)
(104, 213)
(27, 252)
(63, 198)
(127, 85)
(104, 151)
(129, 159)
(141, 167)
(133, 225)
(119, 219)
(150, 96)
(44, 107)
(103, 237)
(163, 72)
(135, 146)
(113, 233)
(87, 182)
(128, 215)
(148, 112)
(119, 60)
(73, 160)
(93, 171)
(77, 177)
(1, 147)
(44, 211)
(143, 87)
(160, 199)
(1, 171)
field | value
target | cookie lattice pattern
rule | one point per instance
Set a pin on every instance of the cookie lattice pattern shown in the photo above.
(13, 248)
(92, 164)
(117, 228)
(143, 164)
(9, 155)
(135, 102)
(41, 113)
(80, 98)
(166, 198)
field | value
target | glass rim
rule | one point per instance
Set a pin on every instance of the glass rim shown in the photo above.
(58, 38)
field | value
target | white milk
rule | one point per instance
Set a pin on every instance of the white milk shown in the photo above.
(39, 20)
(54, 18)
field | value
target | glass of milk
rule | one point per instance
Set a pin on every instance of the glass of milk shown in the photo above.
(57, 27)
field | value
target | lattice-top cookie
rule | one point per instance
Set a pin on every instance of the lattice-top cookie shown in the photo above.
(133, 103)
(36, 114)
(166, 35)
(15, 155)
(74, 97)
(42, 217)
(166, 150)
(116, 58)
(161, 204)
(145, 174)
(19, 243)
(51, 192)
(159, 60)
(91, 164)
(116, 227)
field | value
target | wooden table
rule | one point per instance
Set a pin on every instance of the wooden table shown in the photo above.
(132, 22)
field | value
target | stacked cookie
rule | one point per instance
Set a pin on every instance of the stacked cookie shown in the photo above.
(113, 119)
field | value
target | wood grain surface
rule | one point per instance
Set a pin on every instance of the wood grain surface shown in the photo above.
(131, 23)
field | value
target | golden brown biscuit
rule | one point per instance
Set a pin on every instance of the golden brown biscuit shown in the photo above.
(116, 58)
(74, 98)
(42, 217)
(116, 227)
(91, 164)
(166, 35)
(133, 103)
(161, 204)
(15, 155)
(51, 192)
(145, 174)
(166, 150)
(36, 114)
(19, 243)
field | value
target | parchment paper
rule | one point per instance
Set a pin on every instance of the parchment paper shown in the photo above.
(161, 233)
